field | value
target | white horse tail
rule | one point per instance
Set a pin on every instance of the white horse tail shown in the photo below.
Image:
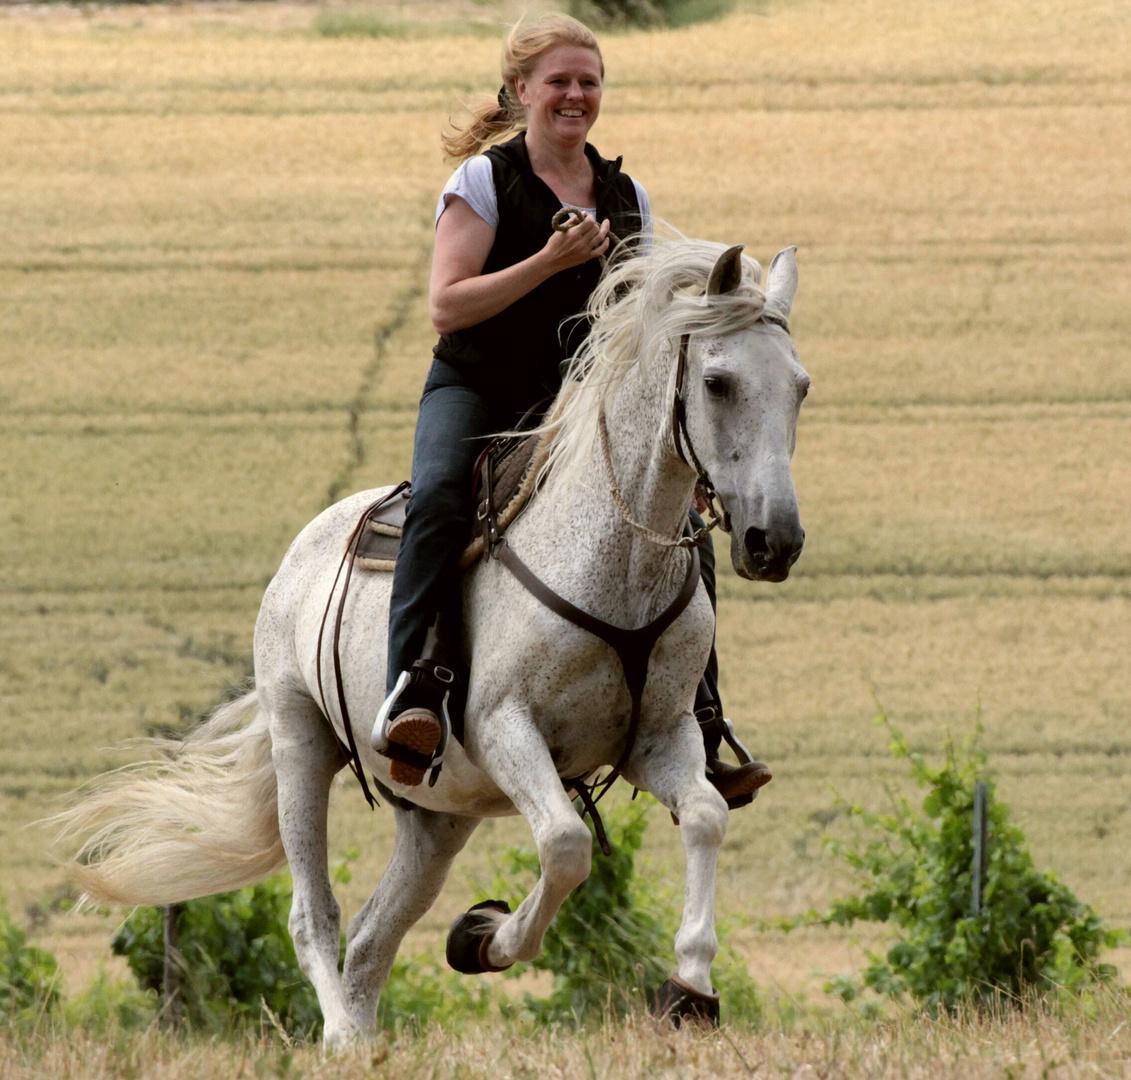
(202, 819)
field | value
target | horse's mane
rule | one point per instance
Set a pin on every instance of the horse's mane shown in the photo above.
(638, 312)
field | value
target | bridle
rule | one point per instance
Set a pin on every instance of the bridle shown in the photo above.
(716, 510)
(681, 435)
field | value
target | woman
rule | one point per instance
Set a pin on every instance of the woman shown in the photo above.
(504, 288)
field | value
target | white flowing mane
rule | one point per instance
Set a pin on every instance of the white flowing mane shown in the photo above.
(640, 309)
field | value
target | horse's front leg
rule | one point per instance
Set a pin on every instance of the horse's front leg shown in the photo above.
(673, 768)
(513, 752)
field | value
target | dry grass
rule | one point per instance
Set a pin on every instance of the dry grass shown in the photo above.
(216, 236)
(1020, 1045)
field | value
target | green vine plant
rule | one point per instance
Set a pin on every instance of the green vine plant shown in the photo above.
(1032, 937)
(29, 979)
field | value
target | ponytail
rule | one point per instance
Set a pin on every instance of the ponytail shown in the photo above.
(491, 121)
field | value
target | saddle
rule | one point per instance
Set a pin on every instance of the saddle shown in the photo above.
(506, 472)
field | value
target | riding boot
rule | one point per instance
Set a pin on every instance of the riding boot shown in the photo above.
(414, 722)
(738, 784)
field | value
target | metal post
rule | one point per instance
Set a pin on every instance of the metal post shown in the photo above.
(172, 1007)
(981, 793)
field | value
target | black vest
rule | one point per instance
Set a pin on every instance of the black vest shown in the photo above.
(514, 357)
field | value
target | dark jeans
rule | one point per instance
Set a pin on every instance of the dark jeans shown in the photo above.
(450, 433)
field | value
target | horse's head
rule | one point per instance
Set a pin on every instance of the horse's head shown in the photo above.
(743, 392)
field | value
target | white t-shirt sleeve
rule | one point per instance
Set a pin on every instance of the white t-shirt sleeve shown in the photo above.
(645, 205)
(474, 182)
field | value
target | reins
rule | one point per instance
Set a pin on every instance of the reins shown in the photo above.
(350, 748)
(680, 435)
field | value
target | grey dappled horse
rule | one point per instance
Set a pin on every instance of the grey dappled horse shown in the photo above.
(546, 699)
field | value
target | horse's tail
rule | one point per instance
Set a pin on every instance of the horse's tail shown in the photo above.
(201, 820)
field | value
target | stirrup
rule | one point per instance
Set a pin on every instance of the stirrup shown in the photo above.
(710, 722)
(439, 680)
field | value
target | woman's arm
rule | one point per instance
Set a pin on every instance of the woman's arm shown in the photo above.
(461, 295)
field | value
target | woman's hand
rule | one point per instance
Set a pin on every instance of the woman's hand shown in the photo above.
(581, 241)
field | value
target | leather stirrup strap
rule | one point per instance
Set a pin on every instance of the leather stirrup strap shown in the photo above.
(352, 755)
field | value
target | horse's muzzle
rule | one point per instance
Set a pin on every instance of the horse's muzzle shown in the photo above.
(761, 555)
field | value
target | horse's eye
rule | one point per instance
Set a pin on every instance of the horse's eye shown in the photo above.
(716, 387)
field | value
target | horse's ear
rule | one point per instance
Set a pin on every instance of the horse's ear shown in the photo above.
(727, 272)
(781, 281)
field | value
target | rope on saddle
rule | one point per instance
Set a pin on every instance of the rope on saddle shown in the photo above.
(350, 749)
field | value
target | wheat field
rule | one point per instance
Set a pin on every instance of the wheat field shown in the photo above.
(216, 230)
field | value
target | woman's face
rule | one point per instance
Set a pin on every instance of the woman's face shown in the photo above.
(562, 97)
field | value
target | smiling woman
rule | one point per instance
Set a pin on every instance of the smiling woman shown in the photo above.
(506, 292)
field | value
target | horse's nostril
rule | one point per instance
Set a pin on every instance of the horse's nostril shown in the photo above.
(755, 541)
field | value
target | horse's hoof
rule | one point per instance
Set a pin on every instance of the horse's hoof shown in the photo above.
(678, 1002)
(340, 1036)
(471, 935)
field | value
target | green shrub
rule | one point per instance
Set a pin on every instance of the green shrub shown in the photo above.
(1032, 935)
(238, 957)
(423, 990)
(109, 1004)
(611, 942)
(29, 977)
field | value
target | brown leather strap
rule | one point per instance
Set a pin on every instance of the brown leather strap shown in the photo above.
(633, 647)
(352, 755)
(680, 435)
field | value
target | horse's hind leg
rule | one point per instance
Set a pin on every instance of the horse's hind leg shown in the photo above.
(426, 844)
(306, 756)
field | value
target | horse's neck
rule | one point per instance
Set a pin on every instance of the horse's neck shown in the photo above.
(632, 576)
(657, 489)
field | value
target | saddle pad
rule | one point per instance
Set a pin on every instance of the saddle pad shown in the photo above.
(378, 546)
(514, 474)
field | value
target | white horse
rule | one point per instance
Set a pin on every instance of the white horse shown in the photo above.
(546, 699)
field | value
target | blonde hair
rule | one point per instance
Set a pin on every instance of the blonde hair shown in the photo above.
(494, 118)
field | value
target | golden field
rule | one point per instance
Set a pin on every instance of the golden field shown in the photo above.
(214, 244)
